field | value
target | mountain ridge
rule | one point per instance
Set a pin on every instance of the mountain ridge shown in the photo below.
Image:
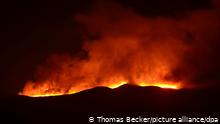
(127, 99)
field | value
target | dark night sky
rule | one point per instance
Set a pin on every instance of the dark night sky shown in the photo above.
(33, 30)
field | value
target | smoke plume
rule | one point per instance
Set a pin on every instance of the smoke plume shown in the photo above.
(125, 46)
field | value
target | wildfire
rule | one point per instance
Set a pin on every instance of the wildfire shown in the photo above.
(162, 85)
(45, 90)
(129, 49)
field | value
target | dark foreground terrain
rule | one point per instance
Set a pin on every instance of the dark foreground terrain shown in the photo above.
(126, 100)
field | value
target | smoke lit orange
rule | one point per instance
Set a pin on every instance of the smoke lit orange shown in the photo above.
(130, 49)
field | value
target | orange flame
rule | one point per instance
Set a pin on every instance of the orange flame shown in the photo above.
(45, 90)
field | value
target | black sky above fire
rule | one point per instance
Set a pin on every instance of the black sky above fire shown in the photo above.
(33, 30)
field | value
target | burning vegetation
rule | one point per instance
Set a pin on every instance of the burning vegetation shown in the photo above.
(128, 48)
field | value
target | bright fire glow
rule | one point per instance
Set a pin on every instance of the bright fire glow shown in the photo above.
(44, 90)
(162, 85)
(117, 85)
